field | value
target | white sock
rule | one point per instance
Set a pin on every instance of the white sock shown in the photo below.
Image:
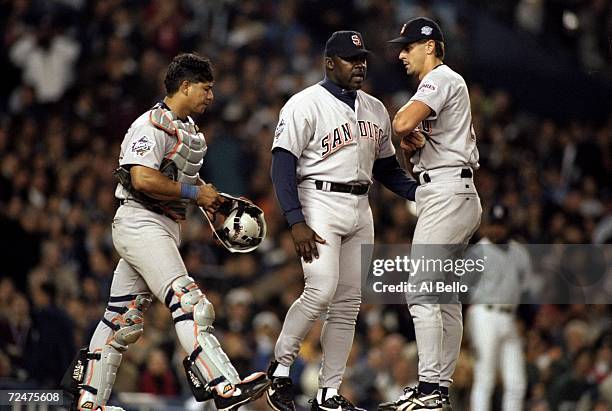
(329, 392)
(281, 371)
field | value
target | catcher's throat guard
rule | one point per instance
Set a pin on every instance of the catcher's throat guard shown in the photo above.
(243, 227)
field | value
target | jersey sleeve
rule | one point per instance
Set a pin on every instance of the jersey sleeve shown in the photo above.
(145, 146)
(293, 131)
(385, 145)
(434, 91)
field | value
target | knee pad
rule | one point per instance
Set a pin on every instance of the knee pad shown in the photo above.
(182, 297)
(91, 376)
(128, 324)
(191, 301)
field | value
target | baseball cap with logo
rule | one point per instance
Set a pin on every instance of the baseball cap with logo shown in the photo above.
(420, 28)
(345, 44)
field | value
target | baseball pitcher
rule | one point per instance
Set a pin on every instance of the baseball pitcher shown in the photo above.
(438, 138)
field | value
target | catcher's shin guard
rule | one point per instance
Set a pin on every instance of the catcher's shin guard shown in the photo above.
(207, 365)
(91, 376)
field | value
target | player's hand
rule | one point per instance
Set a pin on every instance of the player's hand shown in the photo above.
(305, 241)
(209, 198)
(413, 141)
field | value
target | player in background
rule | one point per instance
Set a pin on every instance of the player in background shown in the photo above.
(331, 141)
(438, 138)
(492, 325)
(160, 158)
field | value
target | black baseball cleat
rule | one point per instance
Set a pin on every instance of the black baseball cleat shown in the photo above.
(280, 392)
(413, 400)
(335, 403)
(249, 389)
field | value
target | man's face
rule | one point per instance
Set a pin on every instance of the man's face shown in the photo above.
(413, 57)
(348, 72)
(497, 232)
(200, 96)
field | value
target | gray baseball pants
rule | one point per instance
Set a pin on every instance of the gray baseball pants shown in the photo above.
(332, 282)
(449, 211)
(150, 260)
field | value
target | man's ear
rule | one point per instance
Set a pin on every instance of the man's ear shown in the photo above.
(431, 47)
(329, 63)
(184, 86)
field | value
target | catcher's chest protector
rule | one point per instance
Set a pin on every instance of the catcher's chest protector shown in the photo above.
(190, 148)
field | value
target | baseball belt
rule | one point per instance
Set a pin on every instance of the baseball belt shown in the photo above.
(356, 189)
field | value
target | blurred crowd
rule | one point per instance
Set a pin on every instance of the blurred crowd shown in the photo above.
(581, 27)
(77, 73)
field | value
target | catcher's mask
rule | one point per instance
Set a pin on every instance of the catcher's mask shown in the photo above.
(244, 226)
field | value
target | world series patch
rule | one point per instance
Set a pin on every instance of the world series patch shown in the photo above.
(279, 129)
(427, 87)
(142, 146)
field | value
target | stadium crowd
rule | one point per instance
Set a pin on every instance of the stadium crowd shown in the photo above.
(78, 73)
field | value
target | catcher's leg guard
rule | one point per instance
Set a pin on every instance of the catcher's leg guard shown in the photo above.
(207, 367)
(91, 376)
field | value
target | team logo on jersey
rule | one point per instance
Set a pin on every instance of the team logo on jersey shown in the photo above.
(426, 30)
(356, 40)
(336, 139)
(142, 146)
(427, 87)
(280, 127)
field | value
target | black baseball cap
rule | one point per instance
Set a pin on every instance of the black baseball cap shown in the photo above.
(345, 44)
(420, 28)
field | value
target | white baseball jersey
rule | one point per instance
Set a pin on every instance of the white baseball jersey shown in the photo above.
(506, 272)
(452, 141)
(331, 141)
(147, 145)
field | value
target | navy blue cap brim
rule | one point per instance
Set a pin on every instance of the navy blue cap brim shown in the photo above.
(354, 53)
(404, 40)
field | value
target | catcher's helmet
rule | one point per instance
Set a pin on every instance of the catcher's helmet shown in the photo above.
(243, 229)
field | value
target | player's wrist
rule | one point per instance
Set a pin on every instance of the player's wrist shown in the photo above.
(189, 191)
(294, 217)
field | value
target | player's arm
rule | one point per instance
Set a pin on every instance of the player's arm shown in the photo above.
(285, 186)
(390, 174)
(154, 184)
(409, 117)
